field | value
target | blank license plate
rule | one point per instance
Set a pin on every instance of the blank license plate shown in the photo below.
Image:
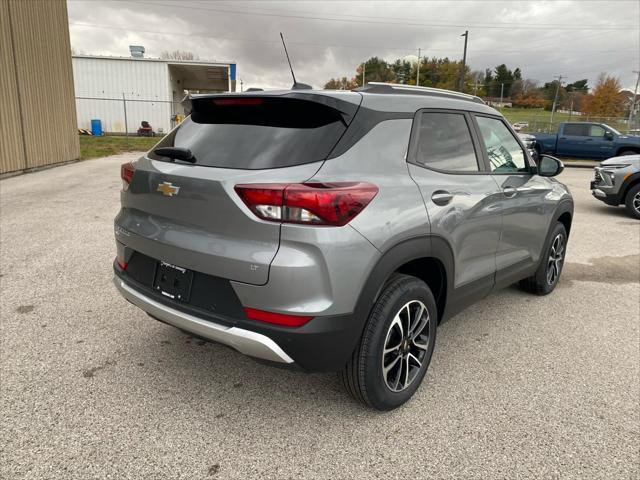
(173, 282)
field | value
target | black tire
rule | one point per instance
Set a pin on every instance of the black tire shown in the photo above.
(632, 201)
(544, 281)
(627, 152)
(363, 377)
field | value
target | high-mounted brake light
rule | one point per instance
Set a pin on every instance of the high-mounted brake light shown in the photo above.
(238, 101)
(332, 204)
(276, 318)
(127, 171)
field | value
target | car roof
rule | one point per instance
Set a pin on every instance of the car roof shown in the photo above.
(383, 97)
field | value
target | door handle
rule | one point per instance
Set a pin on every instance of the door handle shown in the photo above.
(441, 197)
(510, 192)
(563, 138)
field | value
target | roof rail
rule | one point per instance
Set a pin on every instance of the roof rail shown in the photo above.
(395, 88)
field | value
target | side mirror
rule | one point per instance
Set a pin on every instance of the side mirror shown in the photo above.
(608, 135)
(549, 166)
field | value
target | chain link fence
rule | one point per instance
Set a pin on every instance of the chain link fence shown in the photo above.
(125, 116)
(537, 122)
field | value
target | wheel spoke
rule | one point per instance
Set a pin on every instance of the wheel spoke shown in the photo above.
(406, 372)
(392, 364)
(421, 346)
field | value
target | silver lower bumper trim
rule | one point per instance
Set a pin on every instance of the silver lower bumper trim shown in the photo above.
(596, 192)
(245, 341)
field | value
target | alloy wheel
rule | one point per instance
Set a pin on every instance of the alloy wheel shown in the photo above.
(636, 202)
(405, 346)
(556, 257)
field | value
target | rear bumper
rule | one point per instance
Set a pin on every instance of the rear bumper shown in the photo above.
(245, 341)
(322, 345)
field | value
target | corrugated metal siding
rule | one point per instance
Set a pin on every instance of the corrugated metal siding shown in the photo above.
(11, 142)
(109, 79)
(42, 60)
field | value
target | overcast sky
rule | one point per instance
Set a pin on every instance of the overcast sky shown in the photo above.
(576, 39)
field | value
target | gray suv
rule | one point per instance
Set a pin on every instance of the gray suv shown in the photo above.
(334, 230)
(617, 182)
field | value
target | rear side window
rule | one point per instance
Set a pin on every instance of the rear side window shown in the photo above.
(257, 132)
(575, 129)
(444, 142)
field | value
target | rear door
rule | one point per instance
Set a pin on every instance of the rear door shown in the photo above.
(462, 200)
(571, 139)
(189, 214)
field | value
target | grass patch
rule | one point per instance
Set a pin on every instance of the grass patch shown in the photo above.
(539, 119)
(94, 147)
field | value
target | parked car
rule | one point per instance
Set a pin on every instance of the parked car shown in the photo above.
(617, 182)
(520, 125)
(295, 227)
(587, 140)
(529, 141)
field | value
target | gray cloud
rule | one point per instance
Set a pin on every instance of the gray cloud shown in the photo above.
(578, 39)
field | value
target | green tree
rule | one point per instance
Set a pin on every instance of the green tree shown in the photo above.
(503, 76)
(578, 86)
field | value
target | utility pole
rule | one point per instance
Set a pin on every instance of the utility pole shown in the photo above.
(464, 59)
(364, 66)
(475, 85)
(555, 101)
(501, 93)
(633, 102)
(241, 83)
(418, 74)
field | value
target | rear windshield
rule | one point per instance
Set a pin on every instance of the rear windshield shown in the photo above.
(256, 132)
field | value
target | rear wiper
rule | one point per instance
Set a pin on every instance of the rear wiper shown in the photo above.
(176, 153)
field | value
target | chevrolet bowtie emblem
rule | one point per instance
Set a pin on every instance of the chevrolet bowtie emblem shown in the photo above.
(167, 189)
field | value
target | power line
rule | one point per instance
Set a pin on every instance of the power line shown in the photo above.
(412, 23)
(478, 24)
(311, 44)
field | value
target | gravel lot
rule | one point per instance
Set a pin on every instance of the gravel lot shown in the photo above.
(519, 386)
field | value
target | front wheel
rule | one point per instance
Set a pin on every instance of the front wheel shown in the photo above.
(396, 347)
(544, 281)
(632, 201)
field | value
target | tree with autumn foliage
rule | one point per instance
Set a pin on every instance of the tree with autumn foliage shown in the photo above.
(605, 99)
(343, 83)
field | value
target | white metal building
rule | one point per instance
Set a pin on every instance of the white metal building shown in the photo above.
(148, 89)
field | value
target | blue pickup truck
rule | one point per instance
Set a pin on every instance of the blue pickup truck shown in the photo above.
(586, 140)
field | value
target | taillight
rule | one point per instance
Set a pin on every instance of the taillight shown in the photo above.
(334, 204)
(127, 171)
(277, 318)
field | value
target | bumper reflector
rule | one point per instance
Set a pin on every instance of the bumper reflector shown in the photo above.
(276, 318)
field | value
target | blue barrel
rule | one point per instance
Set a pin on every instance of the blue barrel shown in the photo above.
(96, 127)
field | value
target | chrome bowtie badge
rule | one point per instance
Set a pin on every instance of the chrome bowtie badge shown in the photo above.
(168, 189)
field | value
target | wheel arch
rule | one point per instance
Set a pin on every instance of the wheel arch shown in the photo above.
(628, 184)
(564, 215)
(631, 148)
(427, 257)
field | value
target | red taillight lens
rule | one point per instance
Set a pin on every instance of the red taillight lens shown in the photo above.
(277, 318)
(127, 171)
(334, 204)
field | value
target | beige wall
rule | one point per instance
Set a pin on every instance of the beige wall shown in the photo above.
(37, 106)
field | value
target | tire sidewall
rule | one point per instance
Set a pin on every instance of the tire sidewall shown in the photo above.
(541, 275)
(628, 201)
(379, 395)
